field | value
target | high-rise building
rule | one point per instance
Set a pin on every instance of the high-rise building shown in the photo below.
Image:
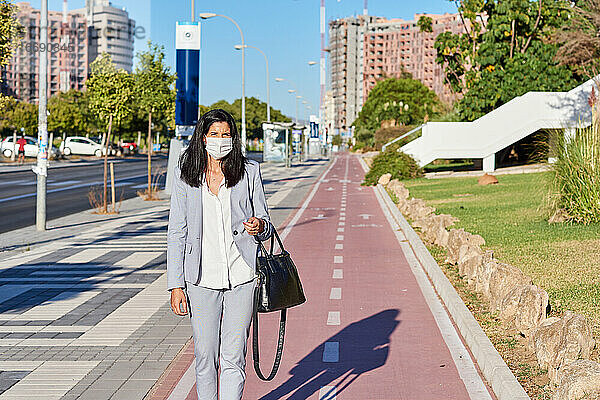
(365, 49)
(110, 30)
(393, 45)
(67, 58)
(346, 38)
(75, 39)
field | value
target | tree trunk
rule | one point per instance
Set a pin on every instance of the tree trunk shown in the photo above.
(149, 154)
(105, 202)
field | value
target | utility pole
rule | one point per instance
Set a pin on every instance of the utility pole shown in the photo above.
(42, 159)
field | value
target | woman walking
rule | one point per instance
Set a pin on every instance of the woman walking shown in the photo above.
(218, 210)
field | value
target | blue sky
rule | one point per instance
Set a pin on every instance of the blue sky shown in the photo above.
(286, 30)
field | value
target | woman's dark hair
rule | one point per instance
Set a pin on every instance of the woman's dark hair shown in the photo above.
(194, 160)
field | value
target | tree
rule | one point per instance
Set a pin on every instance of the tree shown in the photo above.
(405, 101)
(425, 24)
(155, 94)
(492, 62)
(256, 114)
(19, 114)
(69, 112)
(578, 39)
(11, 32)
(110, 92)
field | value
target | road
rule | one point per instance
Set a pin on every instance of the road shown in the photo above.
(68, 189)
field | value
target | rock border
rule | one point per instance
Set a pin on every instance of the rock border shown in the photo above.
(560, 344)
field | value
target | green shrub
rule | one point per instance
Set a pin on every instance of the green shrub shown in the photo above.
(384, 135)
(576, 174)
(336, 140)
(400, 165)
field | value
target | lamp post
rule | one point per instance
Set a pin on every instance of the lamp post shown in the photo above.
(240, 47)
(211, 15)
(295, 90)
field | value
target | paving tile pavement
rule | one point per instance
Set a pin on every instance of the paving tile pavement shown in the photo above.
(84, 314)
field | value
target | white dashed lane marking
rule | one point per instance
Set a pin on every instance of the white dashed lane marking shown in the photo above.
(338, 259)
(331, 352)
(339, 237)
(336, 293)
(339, 246)
(338, 274)
(333, 318)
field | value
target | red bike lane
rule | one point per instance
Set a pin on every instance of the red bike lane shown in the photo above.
(366, 330)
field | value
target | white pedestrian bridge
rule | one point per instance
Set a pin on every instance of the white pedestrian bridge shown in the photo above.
(509, 123)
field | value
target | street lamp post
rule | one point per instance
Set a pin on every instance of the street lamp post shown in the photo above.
(239, 47)
(295, 90)
(42, 158)
(211, 15)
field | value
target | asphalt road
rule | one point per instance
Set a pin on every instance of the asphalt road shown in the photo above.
(68, 189)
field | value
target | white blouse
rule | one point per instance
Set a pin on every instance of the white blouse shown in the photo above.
(222, 264)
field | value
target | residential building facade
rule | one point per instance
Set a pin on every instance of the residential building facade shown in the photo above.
(391, 45)
(75, 38)
(364, 49)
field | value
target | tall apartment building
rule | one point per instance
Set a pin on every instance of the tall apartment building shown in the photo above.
(346, 38)
(110, 30)
(393, 44)
(75, 39)
(67, 58)
(364, 49)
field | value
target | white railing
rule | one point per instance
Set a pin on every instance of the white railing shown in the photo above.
(503, 126)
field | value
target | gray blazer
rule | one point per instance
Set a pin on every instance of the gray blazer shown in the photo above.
(184, 238)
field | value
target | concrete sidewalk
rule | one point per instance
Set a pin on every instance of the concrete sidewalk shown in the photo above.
(83, 307)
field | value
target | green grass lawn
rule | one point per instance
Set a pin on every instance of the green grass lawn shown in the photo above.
(563, 259)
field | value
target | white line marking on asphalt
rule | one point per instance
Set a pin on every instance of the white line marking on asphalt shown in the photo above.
(331, 352)
(299, 213)
(339, 246)
(333, 318)
(338, 273)
(320, 216)
(342, 218)
(335, 294)
(339, 237)
(23, 196)
(343, 209)
(341, 223)
(338, 259)
(340, 229)
(63, 183)
(328, 393)
(185, 384)
(343, 214)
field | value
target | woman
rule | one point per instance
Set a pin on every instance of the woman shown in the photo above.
(218, 210)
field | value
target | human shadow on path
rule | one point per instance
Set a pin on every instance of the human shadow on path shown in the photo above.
(363, 347)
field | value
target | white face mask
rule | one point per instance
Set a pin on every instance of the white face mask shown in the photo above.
(218, 147)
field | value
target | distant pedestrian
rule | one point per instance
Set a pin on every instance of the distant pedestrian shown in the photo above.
(21, 142)
(212, 249)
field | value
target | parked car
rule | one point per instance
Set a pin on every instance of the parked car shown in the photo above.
(31, 147)
(81, 145)
(129, 147)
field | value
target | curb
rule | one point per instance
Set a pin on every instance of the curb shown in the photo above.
(494, 369)
(53, 165)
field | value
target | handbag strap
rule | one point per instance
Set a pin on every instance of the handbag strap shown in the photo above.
(255, 353)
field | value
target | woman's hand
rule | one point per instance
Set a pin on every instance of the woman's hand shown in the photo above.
(178, 301)
(254, 226)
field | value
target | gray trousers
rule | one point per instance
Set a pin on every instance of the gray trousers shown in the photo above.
(221, 324)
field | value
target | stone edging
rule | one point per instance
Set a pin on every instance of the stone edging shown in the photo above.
(494, 369)
(563, 345)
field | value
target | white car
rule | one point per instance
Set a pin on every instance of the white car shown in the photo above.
(81, 145)
(31, 147)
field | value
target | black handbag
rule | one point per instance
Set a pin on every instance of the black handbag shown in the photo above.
(278, 288)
